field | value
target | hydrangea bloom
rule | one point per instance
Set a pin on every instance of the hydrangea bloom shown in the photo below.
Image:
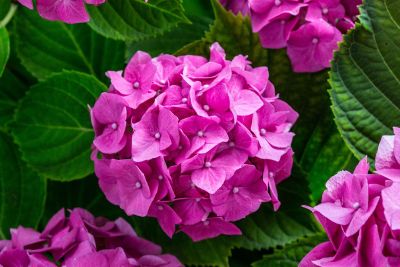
(192, 142)
(62, 10)
(81, 240)
(310, 29)
(360, 213)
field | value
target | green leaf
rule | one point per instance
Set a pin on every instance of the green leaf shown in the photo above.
(22, 192)
(47, 47)
(171, 41)
(84, 193)
(292, 254)
(365, 79)
(12, 89)
(4, 48)
(135, 19)
(53, 127)
(4, 8)
(324, 155)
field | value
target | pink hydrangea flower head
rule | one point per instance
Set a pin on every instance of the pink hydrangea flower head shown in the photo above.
(360, 213)
(82, 240)
(205, 141)
(62, 10)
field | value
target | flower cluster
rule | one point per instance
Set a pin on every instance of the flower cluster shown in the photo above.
(192, 142)
(62, 10)
(309, 29)
(82, 240)
(360, 213)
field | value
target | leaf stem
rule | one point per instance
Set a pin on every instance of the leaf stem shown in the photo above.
(9, 15)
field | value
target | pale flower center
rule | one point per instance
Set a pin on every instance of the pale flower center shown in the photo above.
(356, 205)
(263, 131)
(325, 11)
(206, 107)
(207, 164)
(315, 40)
(235, 190)
(114, 126)
(278, 2)
(200, 133)
(184, 100)
(157, 135)
(136, 85)
(138, 185)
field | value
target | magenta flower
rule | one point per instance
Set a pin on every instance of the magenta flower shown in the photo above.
(134, 85)
(204, 134)
(209, 171)
(63, 10)
(124, 184)
(272, 134)
(307, 47)
(360, 213)
(241, 195)
(82, 240)
(195, 130)
(209, 228)
(109, 123)
(346, 201)
(156, 132)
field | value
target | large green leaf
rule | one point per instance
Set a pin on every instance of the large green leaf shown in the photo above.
(53, 127)
(365, 78)
(290, 255)
(12, 88)
(4, 8)
(136, 19)
(4, 48)
(22, 192)
(47, 47)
